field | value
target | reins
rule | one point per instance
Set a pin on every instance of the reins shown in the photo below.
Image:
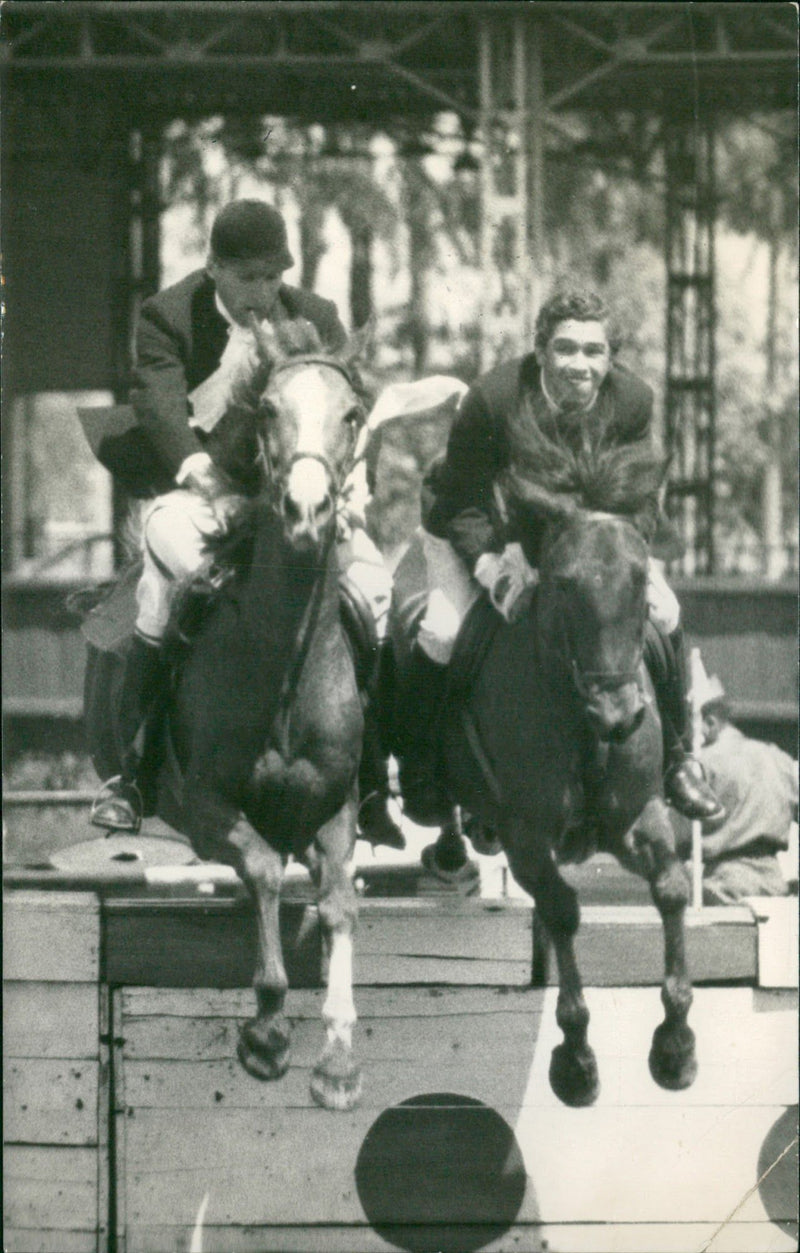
(588, 682)
(605, 680)
(275, 483)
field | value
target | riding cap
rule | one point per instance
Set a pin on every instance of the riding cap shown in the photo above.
(248, 230)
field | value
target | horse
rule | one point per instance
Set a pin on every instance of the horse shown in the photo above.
(553, 740)
(265, 718)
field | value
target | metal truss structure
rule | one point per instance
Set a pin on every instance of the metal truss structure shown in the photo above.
(508, 69)
(690, 390)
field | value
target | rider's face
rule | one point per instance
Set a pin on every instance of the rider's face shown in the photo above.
(575, 362)
(246, 287)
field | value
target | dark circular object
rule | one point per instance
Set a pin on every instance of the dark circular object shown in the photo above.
(778, 1188)
(440, 1173)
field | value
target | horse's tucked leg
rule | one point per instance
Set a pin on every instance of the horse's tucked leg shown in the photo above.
(650, 850)
(336, 1079)
(573, 1066)
(448, 859)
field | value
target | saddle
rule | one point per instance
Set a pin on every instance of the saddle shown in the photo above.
(108, 629)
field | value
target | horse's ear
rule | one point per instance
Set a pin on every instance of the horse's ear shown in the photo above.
(360, 343)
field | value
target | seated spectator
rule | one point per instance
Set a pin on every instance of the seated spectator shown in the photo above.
(757, 783)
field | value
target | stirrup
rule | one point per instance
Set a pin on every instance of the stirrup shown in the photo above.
(117, 806)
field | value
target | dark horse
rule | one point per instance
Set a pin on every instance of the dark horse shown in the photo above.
(556, 742)
(265, 718)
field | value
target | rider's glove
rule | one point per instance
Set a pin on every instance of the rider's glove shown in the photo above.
(199, 474)
(507, 576)
(662, 602)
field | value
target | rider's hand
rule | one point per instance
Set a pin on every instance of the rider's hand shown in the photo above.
(662, 602)
(506, 576)
(205, 479)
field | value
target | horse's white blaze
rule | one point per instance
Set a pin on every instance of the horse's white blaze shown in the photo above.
(339, 1010)
(307, 484)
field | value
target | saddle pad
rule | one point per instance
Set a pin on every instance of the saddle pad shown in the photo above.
(123, 447)
(109, 626)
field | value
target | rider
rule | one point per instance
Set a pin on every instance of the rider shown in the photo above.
(192, 338)
(578, 394)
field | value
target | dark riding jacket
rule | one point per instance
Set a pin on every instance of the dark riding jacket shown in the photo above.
(460, 490)
(180, 339)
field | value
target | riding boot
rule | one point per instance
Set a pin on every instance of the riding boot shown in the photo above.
(374, 820)
(417, 735)
(118, 804)
(685, 783)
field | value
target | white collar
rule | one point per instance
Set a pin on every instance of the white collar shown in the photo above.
(222, 310)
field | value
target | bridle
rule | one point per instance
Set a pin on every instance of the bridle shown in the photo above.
(604, 680)
(274, 481)
(588, 682)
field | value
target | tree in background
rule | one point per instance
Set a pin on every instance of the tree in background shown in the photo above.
(604, 226)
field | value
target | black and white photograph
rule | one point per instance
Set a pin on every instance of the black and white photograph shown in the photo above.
(400, 626)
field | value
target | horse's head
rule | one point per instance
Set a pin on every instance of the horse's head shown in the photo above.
(593, 565)
(310, 413)
(594, 576)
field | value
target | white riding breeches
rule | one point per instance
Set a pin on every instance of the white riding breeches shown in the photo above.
(175, 531)
(452, 591)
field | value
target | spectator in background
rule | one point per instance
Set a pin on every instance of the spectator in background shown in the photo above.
(757, 783)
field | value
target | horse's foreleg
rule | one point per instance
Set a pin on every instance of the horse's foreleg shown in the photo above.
(650, 850)
(336, 1079)
(264, 1040)
(573, 1066)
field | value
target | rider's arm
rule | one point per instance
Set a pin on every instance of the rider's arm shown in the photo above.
(463, 510)
(159, 392)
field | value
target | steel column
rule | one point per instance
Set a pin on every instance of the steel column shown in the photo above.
(512, 175)
(690, 382)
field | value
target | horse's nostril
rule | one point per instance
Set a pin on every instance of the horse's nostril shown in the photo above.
(291, 510)
(324, 506)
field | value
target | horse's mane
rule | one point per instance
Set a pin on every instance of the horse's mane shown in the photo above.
(622, 479)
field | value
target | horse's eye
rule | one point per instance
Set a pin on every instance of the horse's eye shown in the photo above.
(354, 417)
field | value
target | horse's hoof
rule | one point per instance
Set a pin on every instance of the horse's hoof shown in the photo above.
(573, 1075)
(263, 1048)
(336, 1079)
(464, 879)
(672, 1059)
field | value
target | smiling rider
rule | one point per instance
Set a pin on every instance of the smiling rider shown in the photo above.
(575, 391)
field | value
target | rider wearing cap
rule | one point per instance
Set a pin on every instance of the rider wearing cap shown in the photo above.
(192, 340)
(576, 394)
